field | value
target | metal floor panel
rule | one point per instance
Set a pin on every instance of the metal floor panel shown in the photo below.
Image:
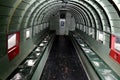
(63, 62)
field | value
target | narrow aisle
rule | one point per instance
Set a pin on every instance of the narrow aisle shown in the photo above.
(63, 62)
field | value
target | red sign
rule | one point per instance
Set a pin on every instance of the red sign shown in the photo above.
(13, 45)
(115, 54)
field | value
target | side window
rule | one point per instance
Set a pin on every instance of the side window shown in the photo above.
(13, 45)
(47, 24)
(27, 33)
(91, 32)
(101, 36)
(77, 26)
(34, 31)
(84, 28)
(41, 27)
(87, 29)
(117, 43)
(80, 26)
(11, 41)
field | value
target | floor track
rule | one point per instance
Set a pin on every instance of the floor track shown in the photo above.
(63, 62)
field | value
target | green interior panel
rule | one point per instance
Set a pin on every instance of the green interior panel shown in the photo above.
(20, 15)
(101, 50)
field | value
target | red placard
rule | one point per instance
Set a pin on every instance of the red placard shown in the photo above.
(13, 45)
(115, 54)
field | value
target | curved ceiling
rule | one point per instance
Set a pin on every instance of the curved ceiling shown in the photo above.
(21, 14)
